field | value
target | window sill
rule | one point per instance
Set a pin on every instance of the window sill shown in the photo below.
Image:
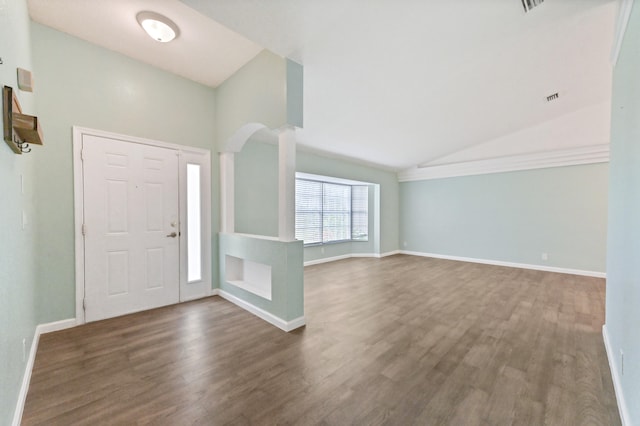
(330, 243)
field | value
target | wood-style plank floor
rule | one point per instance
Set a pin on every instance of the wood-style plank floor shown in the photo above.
(399, 341)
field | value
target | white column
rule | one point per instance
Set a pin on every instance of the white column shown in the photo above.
(287, 184)
(227, 196)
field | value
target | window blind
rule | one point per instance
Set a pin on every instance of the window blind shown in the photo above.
(336, 212)
(330, 212)
(309, 211)
(360, 213)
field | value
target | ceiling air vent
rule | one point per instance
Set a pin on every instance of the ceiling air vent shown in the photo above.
(530, 4)
(552, 97)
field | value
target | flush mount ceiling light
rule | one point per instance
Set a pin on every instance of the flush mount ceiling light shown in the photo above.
(159, 28)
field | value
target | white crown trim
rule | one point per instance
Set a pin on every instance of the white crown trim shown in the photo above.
(624, 13)
(538, 160)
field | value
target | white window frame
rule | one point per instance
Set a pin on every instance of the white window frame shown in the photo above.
(336, 181)
(190, 290)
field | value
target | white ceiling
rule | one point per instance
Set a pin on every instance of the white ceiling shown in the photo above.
(205, 51)
(394, 83)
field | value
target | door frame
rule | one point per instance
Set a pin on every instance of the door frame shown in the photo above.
(186, 154)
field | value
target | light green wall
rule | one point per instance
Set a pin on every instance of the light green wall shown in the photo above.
(81, 84)
(511, 217)
(285, 260)
(295, 94)
(623, 267)
(256, 192)
(18, 253)
(256, 189)
(256, 93)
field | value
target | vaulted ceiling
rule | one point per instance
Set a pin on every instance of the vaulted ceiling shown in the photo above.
(393, 83)
(205, 52)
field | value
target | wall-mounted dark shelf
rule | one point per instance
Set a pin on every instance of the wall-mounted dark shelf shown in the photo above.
(19, 130)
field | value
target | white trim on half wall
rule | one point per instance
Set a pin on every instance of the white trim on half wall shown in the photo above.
(261, 313)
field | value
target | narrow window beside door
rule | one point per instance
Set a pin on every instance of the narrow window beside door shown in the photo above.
(194, 224)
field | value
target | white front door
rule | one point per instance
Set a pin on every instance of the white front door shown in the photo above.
(131, 227)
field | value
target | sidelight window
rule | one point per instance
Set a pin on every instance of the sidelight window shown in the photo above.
(194, 224)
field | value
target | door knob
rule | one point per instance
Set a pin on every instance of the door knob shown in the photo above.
(172, 235)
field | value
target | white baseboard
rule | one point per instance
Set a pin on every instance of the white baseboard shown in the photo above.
(295, 323)
(26, 378)
(261, 313)
(55, 326)
(327, 259)
(349, 256)
(617, 385)
(595, 274)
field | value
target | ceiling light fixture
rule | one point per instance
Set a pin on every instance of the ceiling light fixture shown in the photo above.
(160, 28)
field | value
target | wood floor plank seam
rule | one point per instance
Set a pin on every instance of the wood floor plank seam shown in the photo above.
(393, 341)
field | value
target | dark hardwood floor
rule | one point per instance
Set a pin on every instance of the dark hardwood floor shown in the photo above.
(401, 340)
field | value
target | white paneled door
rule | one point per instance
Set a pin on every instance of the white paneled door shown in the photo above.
(131, 227)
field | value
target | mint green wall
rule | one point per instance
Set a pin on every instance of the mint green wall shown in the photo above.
(78, 83)
(389, 202)
(18, 254)
(295, 94)
(623, 265)
(255, 93)
(256, 189)
(285, 260)
(256, 192)
(511, 217)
